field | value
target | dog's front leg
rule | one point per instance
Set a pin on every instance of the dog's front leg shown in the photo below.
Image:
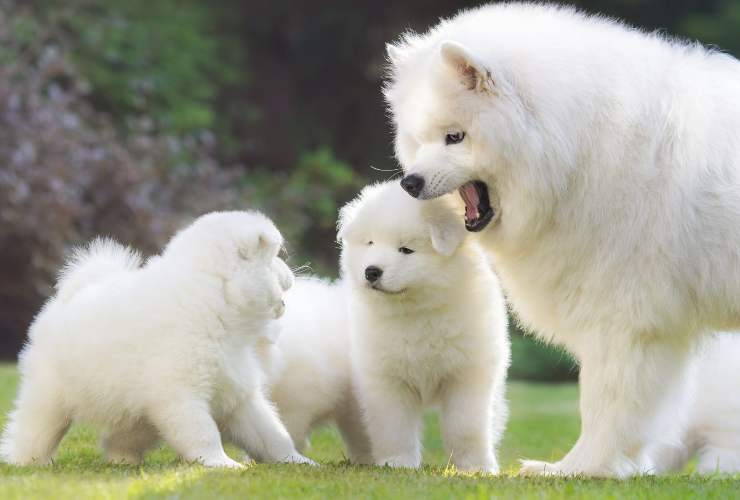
(393, 417)
(628, 387)
(186, 424)
(256, 427)
(468, 421)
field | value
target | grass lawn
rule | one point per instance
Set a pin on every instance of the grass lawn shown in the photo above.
(543, 424)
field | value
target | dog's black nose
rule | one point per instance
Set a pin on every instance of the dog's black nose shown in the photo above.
(413, 184)
(373, 273)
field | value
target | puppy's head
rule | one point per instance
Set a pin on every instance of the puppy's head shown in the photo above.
(240, 248)
(394, 245)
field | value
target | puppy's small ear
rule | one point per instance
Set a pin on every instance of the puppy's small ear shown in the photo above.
(393, 53)
(447, 232)
(471, 71)
(268, 243)
(346, 218)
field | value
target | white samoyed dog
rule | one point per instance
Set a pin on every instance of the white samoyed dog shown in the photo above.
(158, 350)
(601, 167)
(712, 415)
(428, 327)
(310, 377)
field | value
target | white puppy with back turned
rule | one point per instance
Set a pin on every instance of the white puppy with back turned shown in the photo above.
(158, 350)
(310, 375)
(428, 327)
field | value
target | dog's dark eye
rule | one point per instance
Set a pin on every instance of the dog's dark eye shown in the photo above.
(369, 243)
(454, 138)
(405, 250)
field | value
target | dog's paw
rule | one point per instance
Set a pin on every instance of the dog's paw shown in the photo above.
(297, 458)
(399, 461)
(478, 469)
(539, 468)
(225, 463)
(475, 463)
(123, 458)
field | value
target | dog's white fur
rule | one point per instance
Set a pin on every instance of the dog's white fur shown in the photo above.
(613, 158)
(158, 350)
(310, 377)
(433, 332)
(712, 415)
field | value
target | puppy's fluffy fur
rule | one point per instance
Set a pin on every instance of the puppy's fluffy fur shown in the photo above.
(158, 350)
(612, 158)
(310, 376)
(431, 330)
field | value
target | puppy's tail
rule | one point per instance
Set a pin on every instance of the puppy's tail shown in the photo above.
(89, 264)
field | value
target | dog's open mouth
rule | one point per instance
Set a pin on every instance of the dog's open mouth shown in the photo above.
(478, 210)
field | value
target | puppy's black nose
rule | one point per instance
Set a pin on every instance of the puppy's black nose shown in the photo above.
(373, 273)
(413, 184)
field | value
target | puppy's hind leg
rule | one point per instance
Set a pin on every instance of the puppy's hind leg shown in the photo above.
(354, 434)
(256, 427)
(298, 426)
(35, 427)
(186, 424)
(127, 445)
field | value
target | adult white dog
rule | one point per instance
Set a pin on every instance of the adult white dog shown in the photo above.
(310, 376)
(601, 166)
(428, 326)
(158, 350)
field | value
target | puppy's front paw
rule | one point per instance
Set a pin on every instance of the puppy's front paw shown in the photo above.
(297, 458)
(123, 458)
(399, 461)
(225, 463)
(483, 463)
(540, 468)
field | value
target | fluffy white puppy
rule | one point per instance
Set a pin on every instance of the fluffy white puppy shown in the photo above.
(712, 417)
(310, 377)
(601, 167)
(428, 327)
(159, 350)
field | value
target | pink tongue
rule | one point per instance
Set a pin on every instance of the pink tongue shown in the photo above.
(470, 197)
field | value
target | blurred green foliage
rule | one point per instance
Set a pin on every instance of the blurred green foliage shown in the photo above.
(308, 198)
(161, 60)
(534, 360)
(721, 29)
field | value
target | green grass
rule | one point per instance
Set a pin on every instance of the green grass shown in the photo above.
(543, 424)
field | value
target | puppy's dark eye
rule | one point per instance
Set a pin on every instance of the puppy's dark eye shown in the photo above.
(369, 243)
(454, 138)
(405, 250)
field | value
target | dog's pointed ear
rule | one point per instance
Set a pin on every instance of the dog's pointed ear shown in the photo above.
(471, 72)
(447, 232)
(268, 243)
(393, 53)
(346, 218)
